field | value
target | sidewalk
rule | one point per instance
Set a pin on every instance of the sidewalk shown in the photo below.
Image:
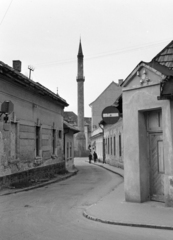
(113, 209)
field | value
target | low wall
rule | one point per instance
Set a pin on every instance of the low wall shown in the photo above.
(34, 174)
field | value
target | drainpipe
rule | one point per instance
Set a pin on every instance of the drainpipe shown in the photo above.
(102, 127)
(65, 132)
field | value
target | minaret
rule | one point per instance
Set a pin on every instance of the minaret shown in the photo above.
(81, 141)
(80, 83)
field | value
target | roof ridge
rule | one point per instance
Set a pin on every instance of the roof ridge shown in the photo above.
(29, 81)
(104, 91)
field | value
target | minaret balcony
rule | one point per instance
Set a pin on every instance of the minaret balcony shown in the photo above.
(80, 79)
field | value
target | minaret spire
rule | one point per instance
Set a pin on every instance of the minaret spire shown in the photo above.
(80, 53)
(80, 56)
(80, 138)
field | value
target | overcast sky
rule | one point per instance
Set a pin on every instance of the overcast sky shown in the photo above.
(116, 35)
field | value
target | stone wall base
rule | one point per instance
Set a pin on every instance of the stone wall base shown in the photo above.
(34, 174)
(169, 190)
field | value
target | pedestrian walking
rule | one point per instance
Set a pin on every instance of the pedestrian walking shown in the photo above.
(90, 157)
(95, 156)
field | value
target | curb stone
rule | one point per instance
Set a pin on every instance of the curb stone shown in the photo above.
(41, 184)
(109, 170)
(126, 224)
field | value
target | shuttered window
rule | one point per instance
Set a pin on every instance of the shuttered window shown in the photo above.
(114, 146)
(120, 145)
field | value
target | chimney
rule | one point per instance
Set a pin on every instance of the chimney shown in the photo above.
(120, 81)
(57, 91)
(17, 65)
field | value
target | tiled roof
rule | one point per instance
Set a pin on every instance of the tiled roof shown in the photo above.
(71, 118)
(155, 65)
(161, 68)
(165, 57)
(71, 127)
(118, 103)
(162, 62)
(87, 120)
(23, 80)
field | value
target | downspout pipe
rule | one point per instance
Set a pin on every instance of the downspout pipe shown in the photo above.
(102, 127)
(65, 132)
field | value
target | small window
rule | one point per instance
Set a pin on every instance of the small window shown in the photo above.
(67, 150)
(53, 141)
(111, 145)
(114, 146)
(108, 145)
(154, 120)
(37, 140)
(70, 149)
(60, 133)
(120, 145)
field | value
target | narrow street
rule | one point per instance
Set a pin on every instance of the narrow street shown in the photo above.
(55, 211)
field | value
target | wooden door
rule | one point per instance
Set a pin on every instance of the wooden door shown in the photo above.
(156, 166)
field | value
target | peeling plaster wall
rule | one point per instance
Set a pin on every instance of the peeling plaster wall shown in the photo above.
(18, 136)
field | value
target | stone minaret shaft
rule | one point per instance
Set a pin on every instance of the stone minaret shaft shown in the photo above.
(80, 82)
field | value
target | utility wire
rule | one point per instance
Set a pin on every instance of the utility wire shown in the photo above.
(6, 12)
(101, 55)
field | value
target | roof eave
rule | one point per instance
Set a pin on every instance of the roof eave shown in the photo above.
(23, 80)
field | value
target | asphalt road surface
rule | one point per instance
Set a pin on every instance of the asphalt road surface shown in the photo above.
(55, 211)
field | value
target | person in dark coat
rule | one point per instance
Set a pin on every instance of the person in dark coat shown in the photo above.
(90, 157)
(95, 156)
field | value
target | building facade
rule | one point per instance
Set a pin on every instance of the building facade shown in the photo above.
(31, 141)
(98, 132)
(113, 143)
(72, 119)
(148, 130)
(106, 98)
(69, 131)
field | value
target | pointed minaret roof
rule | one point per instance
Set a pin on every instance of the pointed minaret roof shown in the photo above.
(80, 53)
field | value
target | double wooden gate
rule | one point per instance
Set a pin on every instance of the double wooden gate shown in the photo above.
(156, 155)
(156, 166)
